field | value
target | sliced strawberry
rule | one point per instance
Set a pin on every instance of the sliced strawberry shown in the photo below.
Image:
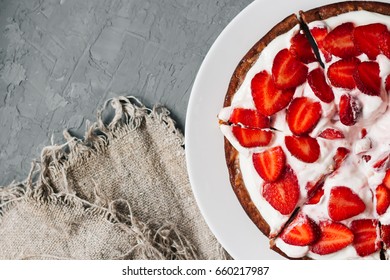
(339, 41)
(367, 38)
(319, 34)
(303, 148)
(349, 110)
(287, 71)
(385, 235)
(340, 156)
(334, 237)
(341, 73)
(301, 49)
(320, 87)
(268, 99)
(367, 78)
(344, 204)
(331, 134)
(365, 238)
(249, 138)
(381, 163)
(316, 197)
(387, 83)
(283, 194)
(303, 115)
(384, 43)
(270, 163)
(249, 118)
(302, 231)
(382, 195)
(386, 179)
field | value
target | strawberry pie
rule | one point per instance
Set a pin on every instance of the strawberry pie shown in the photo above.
(306, 120)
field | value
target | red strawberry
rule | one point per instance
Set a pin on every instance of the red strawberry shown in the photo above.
(283, 194)
(385, 235)
(316, 197)
(334, 237)
(331, 134)
(367, 38)
(387, 83)
(344, 204)
(268, 99)
(341, 73)
(320, 87)
(303, 148)
(384, 43)
(386, 179)
(382, 195)
(302, 231)
(249, 118)
(287, 71)
(339, 41)
(365, 238)
(319, 35)
(301, 49)
(348, 110)
(303, 115)
(340, 156)
(367, 78)
(249, 138)
(270, 163)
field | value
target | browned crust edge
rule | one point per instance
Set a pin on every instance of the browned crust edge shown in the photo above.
(336, 9)
(253, 54)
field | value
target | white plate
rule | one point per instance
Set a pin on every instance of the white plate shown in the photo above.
(203, 139)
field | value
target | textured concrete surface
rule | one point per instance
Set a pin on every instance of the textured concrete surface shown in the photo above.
(61, 59)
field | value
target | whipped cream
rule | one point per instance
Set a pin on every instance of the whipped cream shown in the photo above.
(356, 173)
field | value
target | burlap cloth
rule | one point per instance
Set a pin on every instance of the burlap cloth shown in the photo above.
(120, 193)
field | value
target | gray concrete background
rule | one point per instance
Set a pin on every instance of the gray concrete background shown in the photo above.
(61, 59)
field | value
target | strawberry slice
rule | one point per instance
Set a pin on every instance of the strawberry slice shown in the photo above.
(367, 38)
(384, 43)
(340, 156)
(331, 134)
(316, 197)
(320, 87)
(267, 98)
(386, 179)
(367, 78)
(270, 163)
(303, 148)
(387, 83)
(382, 195)
(344, 204)
(365, 238)
(349, 110)
(341, 73)
(250, 138)
(334, 237)
(283, 194)
(381, 163)
(385, 235)
(287, 71)
(303, 115)
(319, 34)
(302, 231)
(301, 49)
(339, 41)
(249, 118)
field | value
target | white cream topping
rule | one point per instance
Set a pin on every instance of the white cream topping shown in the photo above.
(355, 173)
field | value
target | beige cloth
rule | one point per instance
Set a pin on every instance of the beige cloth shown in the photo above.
(121, 193)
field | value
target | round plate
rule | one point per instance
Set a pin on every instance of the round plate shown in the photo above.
(203, 140)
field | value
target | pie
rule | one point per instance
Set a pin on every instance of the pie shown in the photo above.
(306, 120)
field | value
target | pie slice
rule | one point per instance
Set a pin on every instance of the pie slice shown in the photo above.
(305, 121)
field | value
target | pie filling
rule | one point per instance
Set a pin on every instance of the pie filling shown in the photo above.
(312, 137)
